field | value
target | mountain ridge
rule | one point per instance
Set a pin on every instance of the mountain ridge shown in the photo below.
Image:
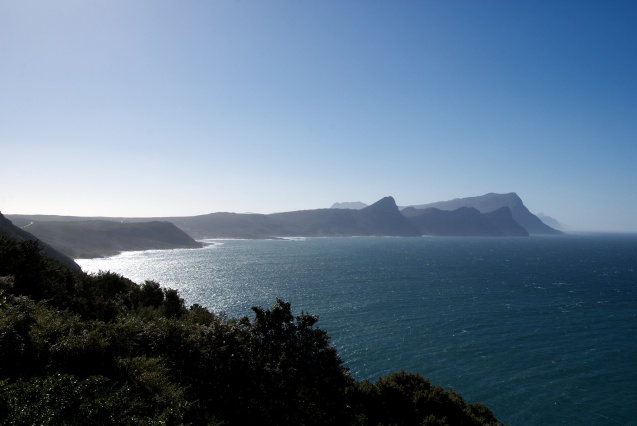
(465, 221)
(100, 238)
(492, 201)
(494, 215)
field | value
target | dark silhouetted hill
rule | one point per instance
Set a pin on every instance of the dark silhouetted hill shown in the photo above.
(99, 238)
(487, 215)
(380, 219)
(384, 216)
(7, 228)
(465, 221)
(491, 202)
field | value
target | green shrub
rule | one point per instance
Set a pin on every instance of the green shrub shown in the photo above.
(100, 349)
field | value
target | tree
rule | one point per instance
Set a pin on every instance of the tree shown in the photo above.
(100, 349)
(408, 399)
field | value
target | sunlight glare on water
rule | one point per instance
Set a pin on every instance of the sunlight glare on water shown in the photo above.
(543, 329)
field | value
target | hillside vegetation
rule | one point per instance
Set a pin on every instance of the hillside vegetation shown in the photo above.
(9, 229)
(102, 350)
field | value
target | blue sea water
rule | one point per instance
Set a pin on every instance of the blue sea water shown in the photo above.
(541, 329)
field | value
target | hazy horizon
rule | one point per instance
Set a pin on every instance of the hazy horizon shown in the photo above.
(565, 227)
(159, 109)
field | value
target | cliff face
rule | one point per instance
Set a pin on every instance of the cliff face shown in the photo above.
(385, 218)
(492, 202)
(504, 221)
(465, 221)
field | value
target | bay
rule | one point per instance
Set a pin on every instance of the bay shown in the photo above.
(541, 329)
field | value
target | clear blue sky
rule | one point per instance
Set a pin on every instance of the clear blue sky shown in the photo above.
(159, 108)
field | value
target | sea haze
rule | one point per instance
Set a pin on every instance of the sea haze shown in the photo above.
(542, 329)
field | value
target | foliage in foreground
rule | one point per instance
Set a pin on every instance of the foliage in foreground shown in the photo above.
(100, 349)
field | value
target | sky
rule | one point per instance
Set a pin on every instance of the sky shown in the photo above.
(177, 108)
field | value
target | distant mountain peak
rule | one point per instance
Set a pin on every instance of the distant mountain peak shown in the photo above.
(491, 214)
(552, 222)
(353, 205)
(385, 204)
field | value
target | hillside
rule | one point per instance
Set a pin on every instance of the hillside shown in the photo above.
(382, 218)
(492, 202)
(7, 228)
(379, 219)
(465, 221)
(99, 238)
(493, 215)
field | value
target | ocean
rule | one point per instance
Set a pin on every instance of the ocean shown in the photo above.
(541, 329)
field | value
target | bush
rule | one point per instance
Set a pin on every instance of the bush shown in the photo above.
(100, 349)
